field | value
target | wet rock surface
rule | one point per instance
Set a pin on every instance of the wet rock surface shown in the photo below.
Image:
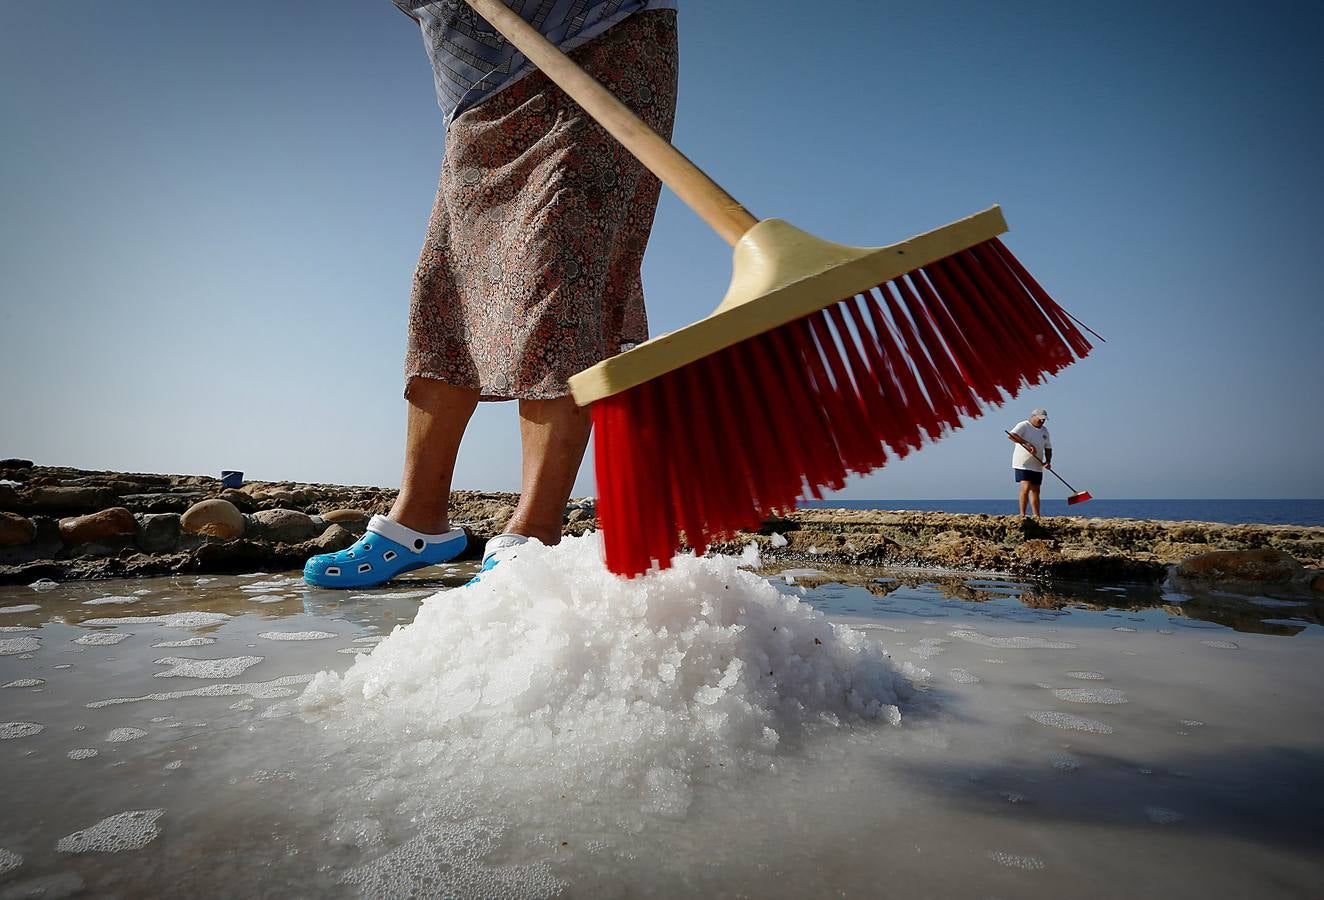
(165, 524)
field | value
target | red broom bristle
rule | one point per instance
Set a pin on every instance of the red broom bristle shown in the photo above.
(714, 447)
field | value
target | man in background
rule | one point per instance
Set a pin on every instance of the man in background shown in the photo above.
(1032, 454)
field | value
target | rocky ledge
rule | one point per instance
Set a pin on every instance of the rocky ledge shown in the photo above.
(64, 523)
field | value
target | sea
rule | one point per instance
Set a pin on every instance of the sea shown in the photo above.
(1232, 512)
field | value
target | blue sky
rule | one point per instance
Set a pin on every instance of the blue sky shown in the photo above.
(210, 214)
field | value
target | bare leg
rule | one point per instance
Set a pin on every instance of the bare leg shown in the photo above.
(553, 436)
(1025, 494)
(1034, 499)
(438, 414)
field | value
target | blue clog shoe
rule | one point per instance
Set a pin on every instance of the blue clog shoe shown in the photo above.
(386, 550)
(503, 546)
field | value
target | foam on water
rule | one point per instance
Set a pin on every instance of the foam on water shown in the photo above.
(14, 646)
(16, 629)
(187, 642)
(1086, 676)
(13, 730)
(260, 690)
(1016, 861)
(1222, 645)
(1068, 722)
(297, 635)
(9, 860)
(130, 830)
(1091, 695)
(82, 753)
(554, 677)
(170, 620)
(41, 585)
(23, 682)
(446, 860)
(232, 667)
(1161, 815)
(107, 601)
(1010, 643)
(101, 639)
(120, 735)
(21, 608)
(963, 676)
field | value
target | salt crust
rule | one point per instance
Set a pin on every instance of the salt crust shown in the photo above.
(259, 690)
(552, 677)
(130, 830)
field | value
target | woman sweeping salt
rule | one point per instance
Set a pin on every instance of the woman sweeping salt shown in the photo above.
(530, 267)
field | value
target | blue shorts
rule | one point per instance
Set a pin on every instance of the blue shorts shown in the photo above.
(1035, 478)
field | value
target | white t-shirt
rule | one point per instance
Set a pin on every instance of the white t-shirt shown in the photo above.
(1038, 438)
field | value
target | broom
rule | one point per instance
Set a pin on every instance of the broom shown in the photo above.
(820, 359)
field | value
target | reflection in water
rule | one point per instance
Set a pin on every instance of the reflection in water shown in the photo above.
(1047, 721)
(1255, 614)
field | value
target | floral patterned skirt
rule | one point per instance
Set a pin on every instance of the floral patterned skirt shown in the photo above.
(530, 268)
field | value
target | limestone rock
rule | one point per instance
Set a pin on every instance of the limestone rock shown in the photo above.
(1242, 565)
(285, 526)
(15, 530)
(1037, 552)
(216, 518)
(98, 526)
(242, 500)
(61, 499)
(158, 532)
(336, 537)
(354, 519)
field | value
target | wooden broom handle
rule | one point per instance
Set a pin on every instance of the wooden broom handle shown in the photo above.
(700, 193)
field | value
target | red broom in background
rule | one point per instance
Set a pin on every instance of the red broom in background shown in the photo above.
(821, 359)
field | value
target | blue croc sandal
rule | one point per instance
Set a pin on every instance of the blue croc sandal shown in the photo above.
(503, 546)
(386, 550)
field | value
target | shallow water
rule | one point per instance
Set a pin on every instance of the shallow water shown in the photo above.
(1065, 741)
